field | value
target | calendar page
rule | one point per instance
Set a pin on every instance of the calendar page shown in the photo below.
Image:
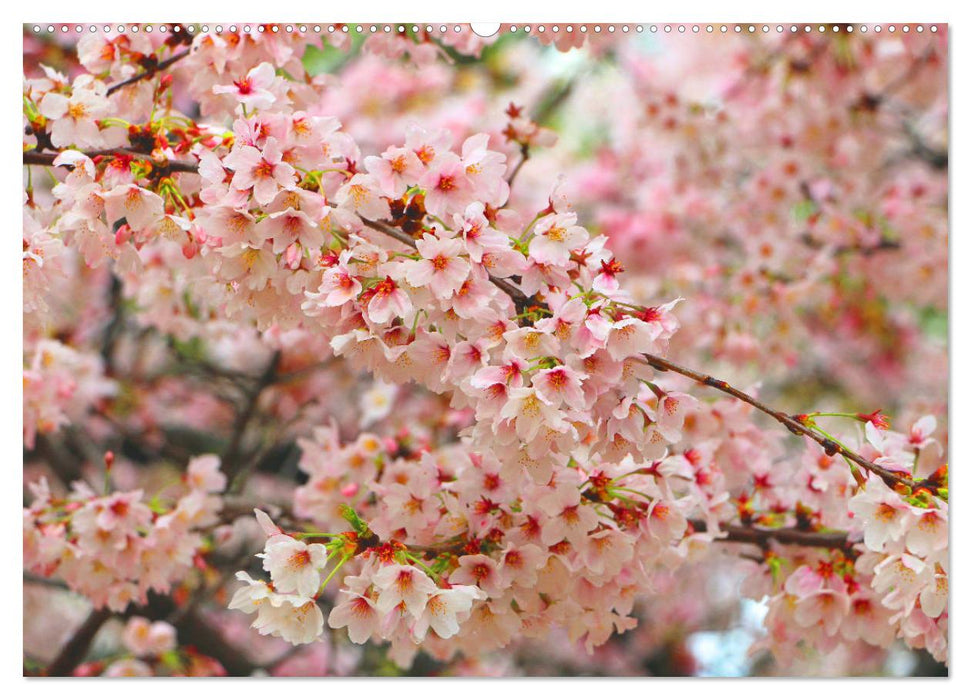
(525, 349)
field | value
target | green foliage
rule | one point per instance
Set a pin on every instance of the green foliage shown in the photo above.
(934, 322)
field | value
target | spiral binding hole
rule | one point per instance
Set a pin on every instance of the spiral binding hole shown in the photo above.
(490, 30)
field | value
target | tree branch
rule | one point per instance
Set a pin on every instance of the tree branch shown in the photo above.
(230, 461)
(521, 301)
(174, 166)
(194, 629)
(784, 535)
(936, 158)
(73, 653)
(150, 72)
(524, 153)
(794, 426)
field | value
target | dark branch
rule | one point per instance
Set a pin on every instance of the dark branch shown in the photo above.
(172, 166)
(524, 152)
(150, 72)
(73, 653)
(794, 426)
(196, 630)
(936, 158)
(232, 463)
(764, 536)
(521, 301)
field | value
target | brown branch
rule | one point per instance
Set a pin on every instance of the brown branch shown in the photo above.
(65, 465)
(740, 534)
(554, 98)
(524, 152)
(389, 230)
(173, 166)
(231, 462)
(73, 653)
(150, 72)
(236, 506)
(901, 80)
(194, 629)
(34, 579)
(437, 550)
(830, 446)
(287, 377)
(521, 301)
(848, 249)
(936, 158)
(785, 535)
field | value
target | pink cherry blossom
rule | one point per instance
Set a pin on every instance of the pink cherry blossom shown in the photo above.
(441, 268)
(252, 91)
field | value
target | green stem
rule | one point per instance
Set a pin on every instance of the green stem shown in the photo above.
(336, 569)
(422, 564)
(522, 238)
(627, 490)
(315, 534)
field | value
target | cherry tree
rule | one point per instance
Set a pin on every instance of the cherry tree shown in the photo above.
(402, 347)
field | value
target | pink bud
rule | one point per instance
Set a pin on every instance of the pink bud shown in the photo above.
(189, 250)
(293, 255)
(266, 523)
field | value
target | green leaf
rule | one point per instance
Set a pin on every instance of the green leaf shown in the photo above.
(804, 209)
(934, 322)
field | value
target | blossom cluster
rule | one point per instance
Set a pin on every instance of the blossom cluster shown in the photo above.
(115, 548)
(892, 583)
(388, 600)
(60, 384)
(469, 519)
(760, 195)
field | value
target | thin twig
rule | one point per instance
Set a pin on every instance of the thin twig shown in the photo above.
(830, 446)
(287, 377)
(521, 301)
(34, 579)
(150, 72)
(524, 152)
